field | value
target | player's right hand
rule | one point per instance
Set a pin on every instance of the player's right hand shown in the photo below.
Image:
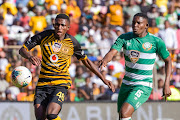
(102, 64)
(35, 60)
(110, 85)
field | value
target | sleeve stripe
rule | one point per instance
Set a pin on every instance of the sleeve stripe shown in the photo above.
(83, 58)
(25, 47)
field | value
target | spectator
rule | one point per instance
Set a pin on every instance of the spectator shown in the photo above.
(102, 95)
(115, 14)
(79, 97)
(51, 27)
(96, 90)
(176, 75)
(153, 29)
(172, 16)
(5, 5)
(19, 8)
(153, 13)
(3, 30)
(51, 13)
(168, 35)
(74, 27)
(79, 77)
(74, 10)
(16, 28)
(161, 19)
(118, 67)
(178, 34)
(160, 70)
(3, 61)
(113, 96)
(87, 90)
(13, 91)
(81, 36)
(92, 46)
(24, 20)
(58, 3)
(38, 22)
(3, 85)
(104, 44)
(160, 87)
(63, 8)
(130, 10)
(145, 7)
(9, 18)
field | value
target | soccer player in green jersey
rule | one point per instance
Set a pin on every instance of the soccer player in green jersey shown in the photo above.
(57, 48)
(140, 48)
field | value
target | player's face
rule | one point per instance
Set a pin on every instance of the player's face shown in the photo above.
(139, 25)
(61, 26)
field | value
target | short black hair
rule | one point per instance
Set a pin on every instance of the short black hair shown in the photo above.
(142, 15)
(63, 16)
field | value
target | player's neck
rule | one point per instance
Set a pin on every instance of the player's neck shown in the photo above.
(143, 34)
(60, 37)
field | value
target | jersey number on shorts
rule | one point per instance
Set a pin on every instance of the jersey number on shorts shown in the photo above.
(138, 93)
(61, 96)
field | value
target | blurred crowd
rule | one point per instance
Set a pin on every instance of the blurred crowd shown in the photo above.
(96, 24)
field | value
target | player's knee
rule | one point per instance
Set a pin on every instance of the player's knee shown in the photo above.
(124, 113)
(52, 117)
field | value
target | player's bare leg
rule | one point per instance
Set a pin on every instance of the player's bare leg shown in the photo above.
(53, 110)
(40, 112)
(126, 111)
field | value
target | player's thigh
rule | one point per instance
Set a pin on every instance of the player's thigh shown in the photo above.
(138, 95)
(40, 111)
(123, 94)
(40, 102)
(56, 100)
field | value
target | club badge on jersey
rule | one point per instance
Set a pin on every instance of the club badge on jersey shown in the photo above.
(65, 50)
(56, 47)
(147, 46)
(134, 55)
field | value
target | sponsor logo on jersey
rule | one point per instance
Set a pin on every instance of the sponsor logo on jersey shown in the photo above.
(56, 47)
(147, 46)
(53, 58)
(134, 55)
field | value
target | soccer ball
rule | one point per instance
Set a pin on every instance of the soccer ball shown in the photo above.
(21, 76)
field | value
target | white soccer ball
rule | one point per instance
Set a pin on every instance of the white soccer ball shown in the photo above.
(21, 76)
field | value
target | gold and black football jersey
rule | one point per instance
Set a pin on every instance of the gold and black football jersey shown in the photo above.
(56, 57)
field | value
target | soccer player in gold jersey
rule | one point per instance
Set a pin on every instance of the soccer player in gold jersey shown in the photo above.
(57, 48)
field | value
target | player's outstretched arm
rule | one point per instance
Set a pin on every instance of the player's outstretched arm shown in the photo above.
(33, 59)
(168, 69)
(107, 58)
(90, 65)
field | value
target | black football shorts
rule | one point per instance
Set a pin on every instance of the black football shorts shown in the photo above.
(47, 94)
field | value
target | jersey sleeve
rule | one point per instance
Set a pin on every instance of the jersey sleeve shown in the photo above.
(33, 41)
(77, 50)
(161, 49)
(118, 43)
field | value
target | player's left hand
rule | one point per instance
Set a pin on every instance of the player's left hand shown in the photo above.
(166, 92)
(110, 85)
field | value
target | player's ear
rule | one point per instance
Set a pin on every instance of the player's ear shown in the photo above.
(147, 25)
(68, 27)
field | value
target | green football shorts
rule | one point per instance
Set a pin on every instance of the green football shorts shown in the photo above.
(134, 95)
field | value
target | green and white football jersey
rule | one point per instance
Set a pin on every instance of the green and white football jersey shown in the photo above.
(140, 55)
